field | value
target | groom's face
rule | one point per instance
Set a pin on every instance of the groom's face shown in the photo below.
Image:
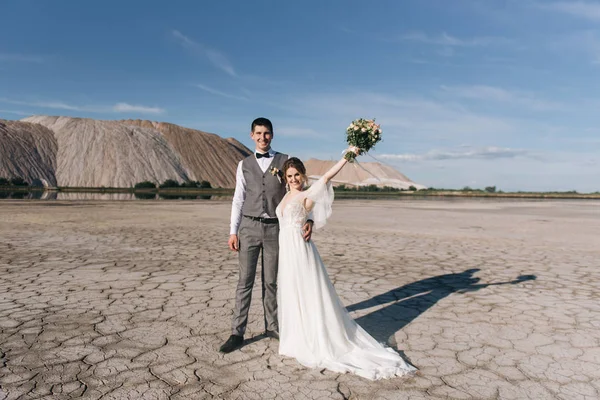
(262, 136)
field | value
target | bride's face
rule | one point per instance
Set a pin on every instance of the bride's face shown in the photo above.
(294, 178)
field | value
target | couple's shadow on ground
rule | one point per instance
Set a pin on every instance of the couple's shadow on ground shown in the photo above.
(407, 302)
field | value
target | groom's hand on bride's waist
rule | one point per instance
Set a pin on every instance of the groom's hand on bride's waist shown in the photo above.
(234, 244)
(307, 230)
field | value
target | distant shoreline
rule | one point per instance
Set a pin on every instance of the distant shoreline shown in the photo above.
(338, 193)
(526, 195)
(213, 191)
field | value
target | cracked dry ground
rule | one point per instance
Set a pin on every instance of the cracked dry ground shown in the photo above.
(130, 300)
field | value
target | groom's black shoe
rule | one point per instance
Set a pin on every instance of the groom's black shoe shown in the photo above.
(234, 342)
(272, 334)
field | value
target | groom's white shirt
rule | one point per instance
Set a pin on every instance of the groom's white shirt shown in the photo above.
(240, 191)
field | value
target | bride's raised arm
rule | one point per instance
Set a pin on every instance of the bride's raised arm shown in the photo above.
(321, 192)
(333, 171)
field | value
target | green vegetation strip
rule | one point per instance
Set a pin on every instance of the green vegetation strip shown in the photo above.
(172, 187)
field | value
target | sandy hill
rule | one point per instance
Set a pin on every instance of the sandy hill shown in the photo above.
(27, 151)
(83, 152)
(91, 153)
(206, 156)
(353, 175)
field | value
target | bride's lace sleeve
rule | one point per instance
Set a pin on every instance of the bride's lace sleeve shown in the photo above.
(321, 194)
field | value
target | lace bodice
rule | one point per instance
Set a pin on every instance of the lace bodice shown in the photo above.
(295, 214)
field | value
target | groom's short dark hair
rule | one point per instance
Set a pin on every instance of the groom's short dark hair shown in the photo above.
(262, 122)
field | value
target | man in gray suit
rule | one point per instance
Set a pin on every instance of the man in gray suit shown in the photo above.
(254, 227)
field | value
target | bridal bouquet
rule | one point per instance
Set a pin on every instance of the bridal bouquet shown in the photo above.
(364, 134)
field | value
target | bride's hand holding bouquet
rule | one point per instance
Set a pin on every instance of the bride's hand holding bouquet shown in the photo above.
(352, 151)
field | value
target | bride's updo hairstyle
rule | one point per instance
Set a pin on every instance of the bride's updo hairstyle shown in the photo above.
(294, 162)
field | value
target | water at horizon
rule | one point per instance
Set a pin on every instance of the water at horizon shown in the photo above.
(95, 196)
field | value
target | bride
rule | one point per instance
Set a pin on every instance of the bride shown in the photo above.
(314, 326)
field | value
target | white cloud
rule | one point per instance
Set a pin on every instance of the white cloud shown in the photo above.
(491, 93)
(15, 112)
(220, 93)
(576, 44)
(581, 9)
(483, 153)
(59, 105)
(184, 39)
(404, 119)
(215, 57)
(444, 39)
(28, 58)
(125, 107)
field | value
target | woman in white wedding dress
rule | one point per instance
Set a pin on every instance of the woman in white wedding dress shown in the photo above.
(314, 326)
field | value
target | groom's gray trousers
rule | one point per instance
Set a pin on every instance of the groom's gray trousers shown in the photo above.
(255, 236)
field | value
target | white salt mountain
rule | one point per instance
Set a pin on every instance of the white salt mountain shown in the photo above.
(206, 156)
(371, 173)
(81, 152)
(27, 151)
(93, 153)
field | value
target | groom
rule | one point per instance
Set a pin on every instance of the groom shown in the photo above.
(254, 227)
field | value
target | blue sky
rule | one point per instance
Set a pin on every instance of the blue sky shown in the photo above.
(468, 92)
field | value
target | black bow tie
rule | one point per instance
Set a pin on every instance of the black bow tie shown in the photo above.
(261, 155)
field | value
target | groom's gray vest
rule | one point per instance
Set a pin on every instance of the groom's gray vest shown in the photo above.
(263, 190)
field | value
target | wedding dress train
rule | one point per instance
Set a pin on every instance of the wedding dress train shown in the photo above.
(314, 326)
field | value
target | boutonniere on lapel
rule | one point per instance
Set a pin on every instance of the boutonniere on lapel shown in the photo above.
(276, 172)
